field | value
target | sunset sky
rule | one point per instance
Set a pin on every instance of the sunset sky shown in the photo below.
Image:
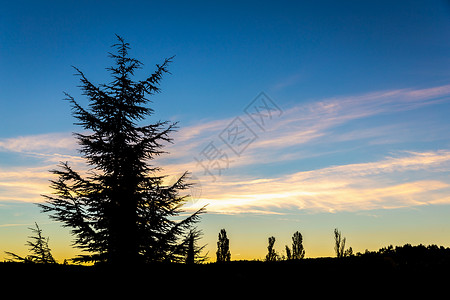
(293, 115)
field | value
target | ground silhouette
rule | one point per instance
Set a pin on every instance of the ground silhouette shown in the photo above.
(390, 264)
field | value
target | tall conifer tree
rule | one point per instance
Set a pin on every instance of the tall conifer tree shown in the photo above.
(121, 212)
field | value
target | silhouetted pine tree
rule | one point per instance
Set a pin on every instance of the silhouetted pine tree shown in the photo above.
(121, 212)
(223, 247)
(193, 252)
(39, 248)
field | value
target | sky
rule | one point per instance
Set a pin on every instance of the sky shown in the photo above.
(293, 115)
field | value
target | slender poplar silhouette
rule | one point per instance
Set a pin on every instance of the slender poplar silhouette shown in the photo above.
(339, 243)
(297, 252)
(223, 247)
(271, 253)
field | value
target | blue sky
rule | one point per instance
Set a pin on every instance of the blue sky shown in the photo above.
(357, 139)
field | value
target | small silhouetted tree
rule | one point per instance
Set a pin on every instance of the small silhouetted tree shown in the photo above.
(121, 212)
(348, 252)
(193, 251)
(288, 253)
(339, 243)
(298, 252)
(190, 255)
(223, 247)
(271, 253)
(38, 246)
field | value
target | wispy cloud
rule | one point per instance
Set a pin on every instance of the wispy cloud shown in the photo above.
(287, 81)
(42, 143)
(304, 125)
(387, 183)
(14, 225)
(372, 184)
(345, 187)
(25, 184)
(28, 183)
(50, 147)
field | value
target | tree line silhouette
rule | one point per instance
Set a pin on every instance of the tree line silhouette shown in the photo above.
(40, 252)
